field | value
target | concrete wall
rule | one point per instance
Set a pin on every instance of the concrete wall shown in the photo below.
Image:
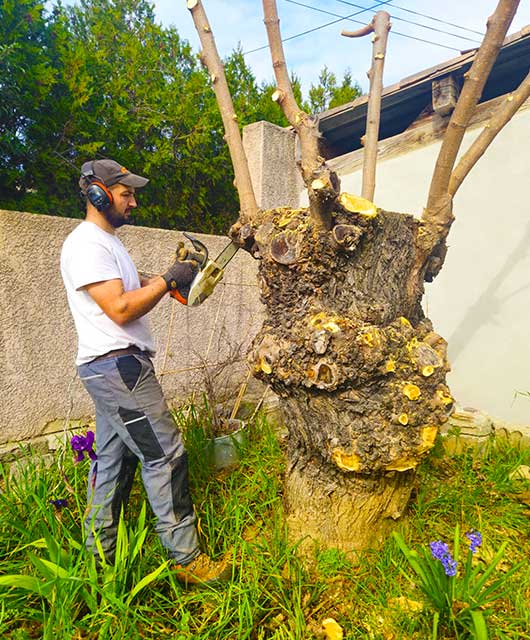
(38, 387)
(271, 154)
(480, 302)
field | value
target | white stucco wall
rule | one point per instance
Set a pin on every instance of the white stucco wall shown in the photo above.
(480, 302)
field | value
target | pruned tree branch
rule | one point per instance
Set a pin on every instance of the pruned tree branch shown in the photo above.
(359, 33)
(211, 60)
(380, 26)
(501, 117)
(437, 216)
(321, 182)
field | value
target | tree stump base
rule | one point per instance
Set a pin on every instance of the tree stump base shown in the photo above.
(359, 372)
(350, 514)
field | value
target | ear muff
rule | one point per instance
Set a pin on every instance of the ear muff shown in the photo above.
(99, 195)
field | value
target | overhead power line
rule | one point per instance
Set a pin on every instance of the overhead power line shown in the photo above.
(322, 26)
(417, 24)
(424, 15)
(350, 19)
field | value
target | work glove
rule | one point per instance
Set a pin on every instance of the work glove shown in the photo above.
(180, 274)
(184, 254)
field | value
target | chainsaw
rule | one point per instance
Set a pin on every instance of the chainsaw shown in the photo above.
(210, 273)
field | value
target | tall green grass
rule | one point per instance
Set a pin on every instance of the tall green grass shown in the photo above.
(49, 588)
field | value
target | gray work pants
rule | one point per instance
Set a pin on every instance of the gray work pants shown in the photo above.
(133, 423)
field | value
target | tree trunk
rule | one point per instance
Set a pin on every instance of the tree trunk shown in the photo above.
(359, 372)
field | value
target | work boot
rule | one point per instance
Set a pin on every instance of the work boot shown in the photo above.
(203, 570)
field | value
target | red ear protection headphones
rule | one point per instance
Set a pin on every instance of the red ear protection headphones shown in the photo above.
(97, 192)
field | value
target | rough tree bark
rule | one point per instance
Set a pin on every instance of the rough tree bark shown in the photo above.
(359, 371)
(379, 26)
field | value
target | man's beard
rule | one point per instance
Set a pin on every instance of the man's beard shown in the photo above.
(114, 218)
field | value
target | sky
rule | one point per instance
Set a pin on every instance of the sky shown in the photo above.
(416, 42)
(241, 22)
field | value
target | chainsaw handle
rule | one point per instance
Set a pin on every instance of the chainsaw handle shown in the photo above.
(199, 247)
(178, 296)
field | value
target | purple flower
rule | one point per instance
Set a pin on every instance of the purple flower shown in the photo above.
(83, 444)
(475, 540)
(59, 503)
(440, 551)
(450, 566)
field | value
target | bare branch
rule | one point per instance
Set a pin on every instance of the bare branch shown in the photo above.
(211, 60)
(437, 216)
(285, 96)
(314, 170)
(363, 31)
(380, 26)
(475, 79)
(501, 117)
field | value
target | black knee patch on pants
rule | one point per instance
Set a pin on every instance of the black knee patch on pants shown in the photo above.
(130, 369)
(180, 490)
(120, 499)
(142, 433)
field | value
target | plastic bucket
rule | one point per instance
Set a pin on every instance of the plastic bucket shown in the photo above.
(224, 450)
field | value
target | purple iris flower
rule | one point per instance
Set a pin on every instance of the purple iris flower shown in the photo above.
(475, 540)
(83, 444)
(440, 551)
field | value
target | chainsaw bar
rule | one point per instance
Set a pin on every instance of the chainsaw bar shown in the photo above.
(226, 255)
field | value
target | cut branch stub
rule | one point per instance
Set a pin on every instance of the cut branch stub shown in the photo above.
(320, 341)
(322, 375)
(347, 235)
(356, 204)
(243, 235)
(284, 247)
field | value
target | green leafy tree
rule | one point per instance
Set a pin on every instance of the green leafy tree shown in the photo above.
(328, 93)
(137, 95)
(29, 93)
(103, 79)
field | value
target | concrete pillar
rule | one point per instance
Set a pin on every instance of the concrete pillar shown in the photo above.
(271, 157)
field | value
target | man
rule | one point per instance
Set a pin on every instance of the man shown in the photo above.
(108, 303)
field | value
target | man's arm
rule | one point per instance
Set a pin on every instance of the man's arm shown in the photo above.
(125, 306)
(146, 278)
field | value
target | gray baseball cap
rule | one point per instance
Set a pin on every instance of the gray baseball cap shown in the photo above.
(109, 172)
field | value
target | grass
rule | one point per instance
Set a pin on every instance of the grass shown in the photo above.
(58, 593)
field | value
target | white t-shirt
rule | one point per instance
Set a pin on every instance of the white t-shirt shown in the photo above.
(90, 254)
